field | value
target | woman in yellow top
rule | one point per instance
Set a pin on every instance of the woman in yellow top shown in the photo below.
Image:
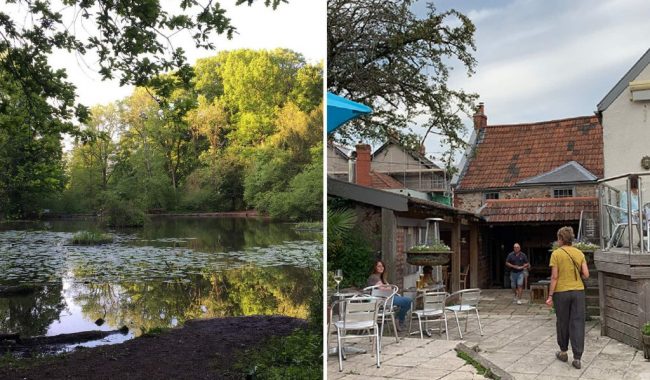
(567, 294)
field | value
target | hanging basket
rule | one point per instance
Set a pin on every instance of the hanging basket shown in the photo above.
(428, 257)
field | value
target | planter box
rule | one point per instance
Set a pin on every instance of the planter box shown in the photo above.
(646, 346)
(432, 258)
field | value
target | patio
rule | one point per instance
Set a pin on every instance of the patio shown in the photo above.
(518, 339)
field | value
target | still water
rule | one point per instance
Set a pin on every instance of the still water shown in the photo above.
(172, 270)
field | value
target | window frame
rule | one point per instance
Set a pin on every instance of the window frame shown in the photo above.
(572, 189)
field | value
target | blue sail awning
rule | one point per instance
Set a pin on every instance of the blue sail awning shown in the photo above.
(341, 110)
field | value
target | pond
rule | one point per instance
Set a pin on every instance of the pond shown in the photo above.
(170, 271)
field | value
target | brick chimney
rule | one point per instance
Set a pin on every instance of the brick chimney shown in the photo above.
(362, 175)
(480, 119)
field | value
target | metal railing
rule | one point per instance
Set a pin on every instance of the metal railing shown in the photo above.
(625, 217)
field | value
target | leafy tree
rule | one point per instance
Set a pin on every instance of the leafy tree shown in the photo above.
(31, 169)
(132, 40)
(381, 54)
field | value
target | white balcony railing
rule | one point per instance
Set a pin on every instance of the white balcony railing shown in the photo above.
(625, 213)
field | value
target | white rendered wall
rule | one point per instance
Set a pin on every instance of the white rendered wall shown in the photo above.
(626, 132)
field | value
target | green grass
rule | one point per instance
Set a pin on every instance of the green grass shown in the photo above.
(296, 356)
(9, 361)
(479, 368)
(91, 238)
(154, 331)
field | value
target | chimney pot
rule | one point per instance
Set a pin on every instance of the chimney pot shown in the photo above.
(480, 119)
(362, 167)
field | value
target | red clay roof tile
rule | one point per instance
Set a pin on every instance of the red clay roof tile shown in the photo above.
(384, 181)
(510, 153)
(538, 209)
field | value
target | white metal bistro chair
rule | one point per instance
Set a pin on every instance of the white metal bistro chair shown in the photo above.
(618, 224)
(358, 316)
(433, 310)
(386, 293)
(468, 300)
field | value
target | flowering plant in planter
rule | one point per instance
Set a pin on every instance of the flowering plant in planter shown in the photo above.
(436, 246)
(645, 330)
(581, 245)
(437, 253)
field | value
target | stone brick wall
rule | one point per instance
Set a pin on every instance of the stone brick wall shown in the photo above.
(472, 201)
(468, 201)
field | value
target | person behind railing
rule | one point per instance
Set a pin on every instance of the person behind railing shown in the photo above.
(634, 207)
(377, 278)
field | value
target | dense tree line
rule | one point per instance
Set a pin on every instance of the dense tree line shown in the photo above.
(246, 133)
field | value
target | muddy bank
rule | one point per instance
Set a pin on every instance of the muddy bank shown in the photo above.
(202, 349)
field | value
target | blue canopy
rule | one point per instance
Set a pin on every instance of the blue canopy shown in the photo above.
(341, 110)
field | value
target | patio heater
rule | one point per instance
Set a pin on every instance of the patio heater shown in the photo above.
(436, 230)
(437, 269)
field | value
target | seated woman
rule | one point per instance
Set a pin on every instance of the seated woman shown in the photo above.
(377, 278)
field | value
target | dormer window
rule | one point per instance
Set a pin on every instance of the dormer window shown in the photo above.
(491, 195)
(563, 192)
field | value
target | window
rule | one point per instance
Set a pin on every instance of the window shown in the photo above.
(491, 195)
(563, 192)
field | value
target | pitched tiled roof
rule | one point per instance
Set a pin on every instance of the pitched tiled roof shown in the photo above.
(538, 209)
(507, 154)
(383, 181)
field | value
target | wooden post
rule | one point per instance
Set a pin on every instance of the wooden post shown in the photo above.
(601, 303)
(473, 255)
(389, 244)
(644, 303)
(455, 257)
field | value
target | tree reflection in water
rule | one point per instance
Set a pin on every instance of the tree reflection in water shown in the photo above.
(32, 314)
(225, 267)
(243, 291)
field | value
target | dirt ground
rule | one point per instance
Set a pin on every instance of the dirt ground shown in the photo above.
(202, 349)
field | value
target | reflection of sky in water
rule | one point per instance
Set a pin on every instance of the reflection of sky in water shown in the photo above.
(157, 269)
(73, 320)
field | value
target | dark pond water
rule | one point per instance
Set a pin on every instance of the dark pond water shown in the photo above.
(172, 270)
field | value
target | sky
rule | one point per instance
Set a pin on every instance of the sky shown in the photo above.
(548, 59)
(299, 25)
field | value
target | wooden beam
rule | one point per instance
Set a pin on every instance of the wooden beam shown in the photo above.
(473, 255)
(601, 303)
(389, 243)
(614, 282)
(639, 273)
(455, 257)
(644, 302)
(623, 269)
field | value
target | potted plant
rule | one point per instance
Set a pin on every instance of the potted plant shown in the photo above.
(587, 248)
(437, 253)
(645, 339)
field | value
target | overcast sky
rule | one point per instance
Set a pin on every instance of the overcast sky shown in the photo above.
(549, 59)
(299, 25)
(543, 60)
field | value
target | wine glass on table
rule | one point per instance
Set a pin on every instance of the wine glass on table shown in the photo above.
(338, 277)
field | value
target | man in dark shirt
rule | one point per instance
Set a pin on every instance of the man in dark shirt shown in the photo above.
(517, 262)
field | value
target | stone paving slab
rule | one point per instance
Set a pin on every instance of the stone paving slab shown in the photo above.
(519, 339)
